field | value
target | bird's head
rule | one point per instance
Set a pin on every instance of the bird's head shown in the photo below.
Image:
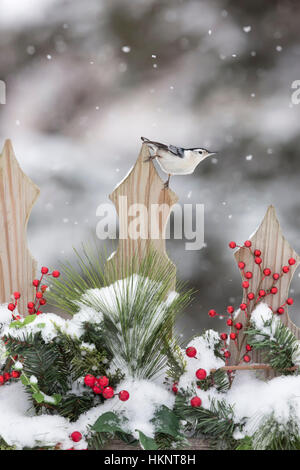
(199, 154)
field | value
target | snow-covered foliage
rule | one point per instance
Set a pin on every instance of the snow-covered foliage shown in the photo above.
(206, 358)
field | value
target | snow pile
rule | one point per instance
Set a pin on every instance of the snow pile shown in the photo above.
(48, 324)
(20, 428)
(205, 358)
(145, 398)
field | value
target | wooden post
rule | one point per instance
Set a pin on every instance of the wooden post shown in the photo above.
(276, 252)
(17, 197)
(142, 195)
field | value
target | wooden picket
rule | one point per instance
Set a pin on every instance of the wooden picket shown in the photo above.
(17, 197)
(142, 190)
(276, 252)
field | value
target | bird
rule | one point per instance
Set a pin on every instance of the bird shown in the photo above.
(176, 160)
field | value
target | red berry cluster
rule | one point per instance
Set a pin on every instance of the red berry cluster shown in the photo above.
(39, 301)
(8, 376)
(201, 374)
(100, 386)
(261, 294)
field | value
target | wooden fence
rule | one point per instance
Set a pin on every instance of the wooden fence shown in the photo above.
(142, 186)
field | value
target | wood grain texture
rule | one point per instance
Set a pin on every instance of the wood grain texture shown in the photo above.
(17, 197)
(142, 186)
(276, 252)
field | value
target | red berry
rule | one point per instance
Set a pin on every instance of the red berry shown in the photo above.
(43, 302)
(30, 305)
(1, 380)
(11, 307)
(248, 275)
(103, 381)
(108, 392)
(233, 336)
(39, 295)
(285, 269)
(6, 376)
(247, 358)
(250, 296)
(15, 374)
(44, 288)
(276, 276)
(257, 253)
(227, 354)
(280, 311)
(89, 380)
(212, 313)
(292, 261)
(274, 290)
(76, 436)
(124, 395)
(56, 274)
(262, 293)
(290, 301)
(232, 245)
(36, 283)
(44, 270)
(247, 244)
(238, 326)
(223, 336)
(245, 284)
(229, 322)
(191, 351)
(17, 295)
(258, 260)
(241, 265)
(267, 272)
(97, 390)
(201, 374)
(38, 312)
(230, 309)
(248, 347)
(195, 402)
(243, 306)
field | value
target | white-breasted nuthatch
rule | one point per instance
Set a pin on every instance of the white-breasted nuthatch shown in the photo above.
(176, 160)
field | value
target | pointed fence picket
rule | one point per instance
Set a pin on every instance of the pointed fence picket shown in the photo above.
(17, 197)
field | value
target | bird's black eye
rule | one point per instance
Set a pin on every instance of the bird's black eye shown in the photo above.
(200, 152)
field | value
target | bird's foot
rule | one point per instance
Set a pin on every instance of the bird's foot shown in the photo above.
(150, 159)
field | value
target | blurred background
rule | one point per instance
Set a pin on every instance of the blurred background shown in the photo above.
(86, 79)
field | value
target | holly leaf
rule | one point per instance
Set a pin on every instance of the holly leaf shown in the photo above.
(25, 380)
(108, 422)
(38, 396)
(166, 422)
(57, 397)
(146, 442)
(29, 319)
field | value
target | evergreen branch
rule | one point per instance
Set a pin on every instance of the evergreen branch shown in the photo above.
(277, 343)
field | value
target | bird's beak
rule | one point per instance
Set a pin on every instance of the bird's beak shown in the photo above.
(212, 153)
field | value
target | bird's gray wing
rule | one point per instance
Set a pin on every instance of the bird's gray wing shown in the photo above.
(157, 144)
(178, 151)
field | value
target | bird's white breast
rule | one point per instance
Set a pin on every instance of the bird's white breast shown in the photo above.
(174, 165)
